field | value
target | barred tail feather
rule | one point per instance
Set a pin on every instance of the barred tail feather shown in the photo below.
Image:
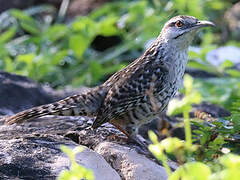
(86, 104)
(29, 114)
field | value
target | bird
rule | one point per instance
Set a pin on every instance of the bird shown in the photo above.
(139, 92)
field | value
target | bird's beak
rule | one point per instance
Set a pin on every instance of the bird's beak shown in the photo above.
(205, 24)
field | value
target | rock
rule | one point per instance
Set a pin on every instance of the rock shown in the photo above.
(237, 66)
(31, 150)
(83, 7)
(49, 125)
(212, 109)
(217, 56)
(101, 169)
(129, 164)
(232, 17)
(41, 158)
(221, 54)
(19, 4)
(18, 93)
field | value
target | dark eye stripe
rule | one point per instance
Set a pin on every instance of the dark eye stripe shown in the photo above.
(172, 24)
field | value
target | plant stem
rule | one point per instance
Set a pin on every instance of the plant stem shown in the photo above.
(165, 165)
(187, 128)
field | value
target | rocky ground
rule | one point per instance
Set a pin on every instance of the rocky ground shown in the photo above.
(32, 150)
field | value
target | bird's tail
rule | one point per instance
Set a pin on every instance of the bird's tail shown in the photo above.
(86, 104)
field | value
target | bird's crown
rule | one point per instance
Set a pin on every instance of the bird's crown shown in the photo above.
(181, 25)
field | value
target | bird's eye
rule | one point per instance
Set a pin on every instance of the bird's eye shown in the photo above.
(179, 24)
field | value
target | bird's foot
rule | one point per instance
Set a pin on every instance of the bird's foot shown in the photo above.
(120, 139)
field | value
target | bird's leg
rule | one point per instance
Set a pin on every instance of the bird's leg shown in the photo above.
(122, 129)
(137, 138)
(131, 133)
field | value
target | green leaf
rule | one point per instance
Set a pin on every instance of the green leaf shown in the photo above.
(60, 55)
(202, 66)
(216, 90)
(78, 43)
(153, 137)
(108, 26)
(216, 4)
(55, 32)
(96, 70)
(7, 35)
(69, 152)
(217, 143)
(228, 174)
(193, 55)
(233, 72)
(230, 161)
(20, 15)
(9, 64)
(136, 12)
(157, 150)
(193, 8)
(30, 27)
(188, 84)
(179, 106)
(76, 171)
(172, 144)
(226, 64)
(191, 171)
(26, 21)
(26, 58)
(86, 27)
(3, 50)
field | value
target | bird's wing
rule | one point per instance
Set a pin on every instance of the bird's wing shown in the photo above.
(131, 90)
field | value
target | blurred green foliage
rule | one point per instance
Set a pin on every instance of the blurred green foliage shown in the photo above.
(76, 171)
(215, 140)
(229, 164)
(223, 91)
(34, 43)
(225, 167)
(61, 54)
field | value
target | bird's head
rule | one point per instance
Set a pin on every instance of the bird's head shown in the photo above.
(181, 29)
